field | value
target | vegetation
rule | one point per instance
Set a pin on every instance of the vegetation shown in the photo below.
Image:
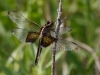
(83, 16)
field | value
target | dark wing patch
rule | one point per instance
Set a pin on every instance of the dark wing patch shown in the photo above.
(31, 37)
(48, 40)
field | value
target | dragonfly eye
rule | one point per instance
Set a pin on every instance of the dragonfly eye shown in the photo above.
(49, 23)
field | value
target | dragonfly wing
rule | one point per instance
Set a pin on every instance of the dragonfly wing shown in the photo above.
(48, 40)
(65, 29)
(25, 36)
(66, 45)
(22, 22)
(61, 31)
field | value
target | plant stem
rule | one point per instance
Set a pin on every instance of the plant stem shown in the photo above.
(58, 23)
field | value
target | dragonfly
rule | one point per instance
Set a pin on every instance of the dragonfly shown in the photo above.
(28, 31)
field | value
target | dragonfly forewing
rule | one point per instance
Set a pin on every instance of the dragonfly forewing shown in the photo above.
(64, 29)
(22, 22)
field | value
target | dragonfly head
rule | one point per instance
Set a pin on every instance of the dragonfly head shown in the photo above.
(49, 23)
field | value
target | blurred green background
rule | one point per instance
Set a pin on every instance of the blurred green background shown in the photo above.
(83, 16)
